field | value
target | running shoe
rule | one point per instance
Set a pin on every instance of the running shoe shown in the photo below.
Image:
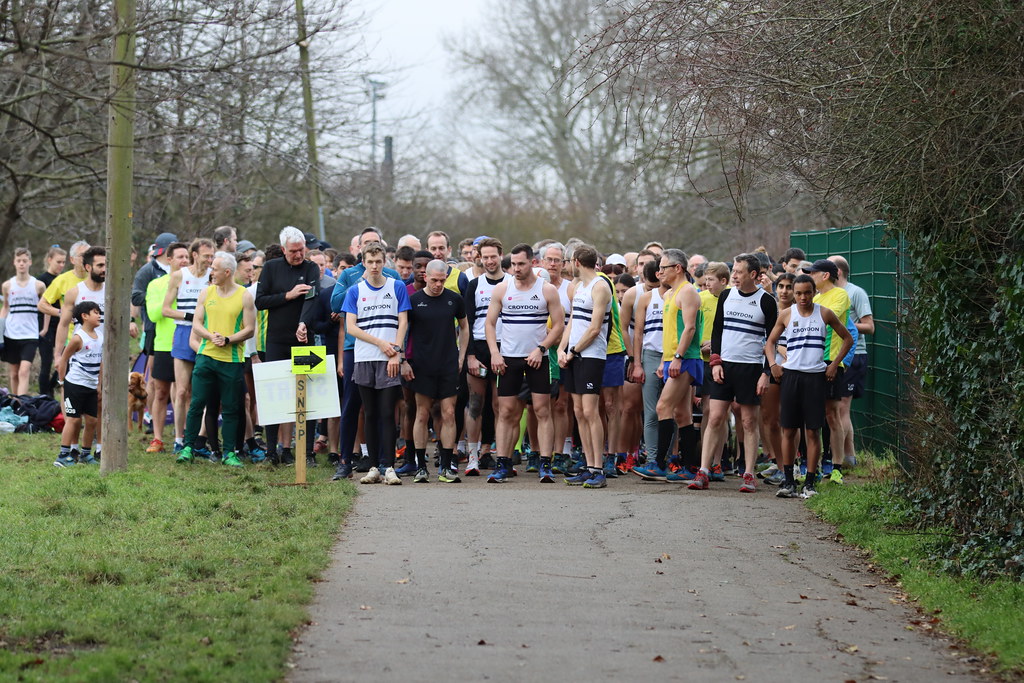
(202, 453)
(826, 468)
(422, 477)
(333, 459)
(533, 462)
(717, 474)
(400, 452)
(786, 491)
(364, 464)
(628, 464)
(287, 458)
(64, 461)
(559, 463)
(89, 460)
(372, 477)
(610, 471)
(650, 472)
(776, 478)
(749, 484)
(408, 468)
(473, 466)
(486, 461)
(155, 446)
(231, 460)
(836, 477)
(596, 481)
(185, 455)
(448, 477)
(700, 482)
(768, 471)
(177, 447)
(498, 476)
(547, 475)
(390, 477)
(311, 461)
(850, 461)
(257, 455)
(342, 471)
(682, 474)
(674, 464)
(579, 479)
(809, 490)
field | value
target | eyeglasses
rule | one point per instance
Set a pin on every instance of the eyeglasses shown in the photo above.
(671, 265)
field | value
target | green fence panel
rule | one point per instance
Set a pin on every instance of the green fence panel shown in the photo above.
(876, 265)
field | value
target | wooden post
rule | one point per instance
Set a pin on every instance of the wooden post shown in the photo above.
(117, 304)
(300, 428)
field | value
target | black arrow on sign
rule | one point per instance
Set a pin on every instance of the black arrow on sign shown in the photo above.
(312, 360)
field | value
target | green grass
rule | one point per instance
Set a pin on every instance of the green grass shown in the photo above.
(986, 615)
(164, 572)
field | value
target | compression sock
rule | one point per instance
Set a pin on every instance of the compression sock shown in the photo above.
(666, 428)
(420, 455)
(788, 471)
(688, 447)
(446, 458)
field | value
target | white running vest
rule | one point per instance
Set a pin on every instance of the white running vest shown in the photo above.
(743, 327)
(524, 319)
(653, 337)
(84, 364)
(582, 314)
(481, 302)
(805, 341)
(22, 315)
(563, 295)
(188, 292)
(86, 294)
(378, 315)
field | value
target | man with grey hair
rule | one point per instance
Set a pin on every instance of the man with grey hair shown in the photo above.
(432, 365)
(409, 241)
(225, 317)
(695, 261)
(553, 261)
(288, 293)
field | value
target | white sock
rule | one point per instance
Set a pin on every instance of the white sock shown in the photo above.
(362, 447)
(461, 447)
(567, 447)
(97, 447)
(474, 448)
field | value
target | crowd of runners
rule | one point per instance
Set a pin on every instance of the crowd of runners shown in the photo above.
(550, 358)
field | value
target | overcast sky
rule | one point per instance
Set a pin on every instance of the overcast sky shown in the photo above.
(404, 38)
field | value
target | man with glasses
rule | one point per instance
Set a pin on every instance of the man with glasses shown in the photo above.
(681, 368)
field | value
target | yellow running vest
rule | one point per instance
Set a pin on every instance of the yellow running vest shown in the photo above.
(224, 316)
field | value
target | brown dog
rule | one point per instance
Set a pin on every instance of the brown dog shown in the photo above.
(137, 397)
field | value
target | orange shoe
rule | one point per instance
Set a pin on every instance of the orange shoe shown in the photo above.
(155, 446)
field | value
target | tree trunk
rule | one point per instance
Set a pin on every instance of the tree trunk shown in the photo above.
(117, 313)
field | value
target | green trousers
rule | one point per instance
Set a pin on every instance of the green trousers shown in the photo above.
(229, 380)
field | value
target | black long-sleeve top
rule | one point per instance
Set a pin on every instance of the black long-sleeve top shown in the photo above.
(284, 315)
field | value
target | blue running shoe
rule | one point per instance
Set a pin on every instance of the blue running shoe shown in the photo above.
(408, 468)
(65, 461)
(803, 468)
(826, 468)
(203, 453)
(547, 476)
(178, 447)
(89, 460)
(680, 475)
(650, 472)
(498, 476)
(532, 462)
(257, 455)
(559, 463)
(579, 479)
(717, 474)
(610, 471)
(597, 481)
(776, 478)
(577, 465)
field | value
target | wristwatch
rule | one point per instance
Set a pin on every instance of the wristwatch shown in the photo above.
(677, 356)
(543, 349)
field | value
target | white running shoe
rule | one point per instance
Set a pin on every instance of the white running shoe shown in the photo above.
(473, 466)
(373, 476)
(391, 477)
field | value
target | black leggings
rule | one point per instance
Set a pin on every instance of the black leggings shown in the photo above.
(379, 423)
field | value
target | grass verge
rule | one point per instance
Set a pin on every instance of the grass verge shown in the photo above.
(986, 615)
(164, 572)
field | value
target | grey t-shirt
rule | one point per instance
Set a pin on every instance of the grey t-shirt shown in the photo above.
(859, 307)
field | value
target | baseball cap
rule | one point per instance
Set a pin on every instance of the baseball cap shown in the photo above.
(163, 240)
(615, 260)
(480, 239)
(823, 266)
